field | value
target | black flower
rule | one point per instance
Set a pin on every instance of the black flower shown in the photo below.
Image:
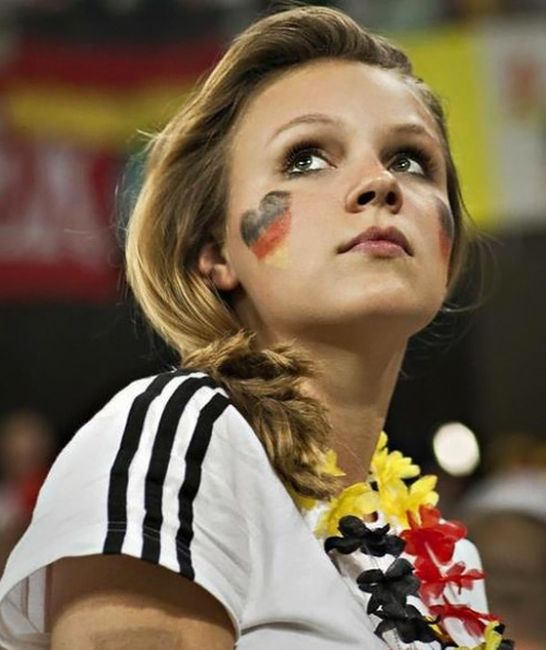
(506, 644)
(409, 623)
(372, 541)
(392, 586)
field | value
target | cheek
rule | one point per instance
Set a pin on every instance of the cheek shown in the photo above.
(265, 230)
(446, 230)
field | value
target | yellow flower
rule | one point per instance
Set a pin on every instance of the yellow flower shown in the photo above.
(389, 469)
(358, 500)
(391, 466)
(492, 639)
(382, 441)
(302, 502)
(330, 464)
(397, 498)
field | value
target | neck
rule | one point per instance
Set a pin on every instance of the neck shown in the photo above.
(356, 386)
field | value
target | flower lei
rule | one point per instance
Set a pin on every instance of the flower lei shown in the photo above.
(408, 503)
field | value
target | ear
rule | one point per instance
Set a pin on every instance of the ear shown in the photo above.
(212, 264)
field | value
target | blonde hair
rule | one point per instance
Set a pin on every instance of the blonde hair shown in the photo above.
(181, 206)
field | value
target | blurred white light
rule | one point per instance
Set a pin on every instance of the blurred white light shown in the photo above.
(456, 449)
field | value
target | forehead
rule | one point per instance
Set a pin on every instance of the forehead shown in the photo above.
(355, 93)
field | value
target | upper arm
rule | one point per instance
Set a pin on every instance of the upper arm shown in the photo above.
(164, 475)
(118, 602)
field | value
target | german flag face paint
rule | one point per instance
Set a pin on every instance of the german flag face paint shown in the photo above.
(447, 229)
(265, 230)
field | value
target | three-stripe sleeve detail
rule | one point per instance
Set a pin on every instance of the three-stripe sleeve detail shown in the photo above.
(159, 462)
(119, 474)
(195, 455)
(158, 466)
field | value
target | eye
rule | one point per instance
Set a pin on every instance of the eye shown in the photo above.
(413, 161)
(299, 159)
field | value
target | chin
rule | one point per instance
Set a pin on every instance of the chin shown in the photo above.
(405, 306)
(342, 325)
(398, 313)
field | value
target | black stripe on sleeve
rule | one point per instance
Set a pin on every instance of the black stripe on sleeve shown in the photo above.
(159, 462)
(194, 459)
(119, 474)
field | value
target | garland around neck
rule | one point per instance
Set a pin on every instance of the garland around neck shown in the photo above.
(395, 512)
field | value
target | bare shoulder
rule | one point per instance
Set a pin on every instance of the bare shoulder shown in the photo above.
(118, 602)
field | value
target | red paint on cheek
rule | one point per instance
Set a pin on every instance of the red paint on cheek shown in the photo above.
(446, 231)
(445, 243)
(273, 236)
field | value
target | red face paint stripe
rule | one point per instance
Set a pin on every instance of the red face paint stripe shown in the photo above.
(445, 244)
(447, 229)
(272, 237)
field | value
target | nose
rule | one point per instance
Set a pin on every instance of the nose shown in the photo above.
(381, 190)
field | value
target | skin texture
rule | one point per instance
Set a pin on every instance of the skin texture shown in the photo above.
(265, 230)
(115, 602)
(353, 312)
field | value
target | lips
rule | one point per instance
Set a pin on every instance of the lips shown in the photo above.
(375, 233)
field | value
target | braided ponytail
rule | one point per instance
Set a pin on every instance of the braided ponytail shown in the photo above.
(265, 386)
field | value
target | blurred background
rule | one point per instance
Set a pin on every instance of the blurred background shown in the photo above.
(82, 81)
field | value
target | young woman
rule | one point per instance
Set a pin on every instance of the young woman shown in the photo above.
(299, 221)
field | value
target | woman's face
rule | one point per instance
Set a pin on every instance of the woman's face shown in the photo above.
(320, 155)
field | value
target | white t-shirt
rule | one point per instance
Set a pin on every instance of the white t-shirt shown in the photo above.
(170, 472)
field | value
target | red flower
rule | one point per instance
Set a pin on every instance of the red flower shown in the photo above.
(432, 535)
(433, 582)
(472, 620)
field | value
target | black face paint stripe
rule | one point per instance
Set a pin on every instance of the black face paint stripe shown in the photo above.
(254, 222)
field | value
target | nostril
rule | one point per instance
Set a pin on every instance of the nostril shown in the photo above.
(391, 198)
(366, 197)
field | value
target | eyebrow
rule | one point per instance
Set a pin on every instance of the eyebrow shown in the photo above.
(409, 128)
(413, 128)
(308, 118)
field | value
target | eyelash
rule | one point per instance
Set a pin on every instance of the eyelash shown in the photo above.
(420, 155)
(295, 151)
